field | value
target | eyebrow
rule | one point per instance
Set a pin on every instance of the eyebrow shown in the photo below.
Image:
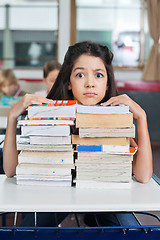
(78, 68)
(82, 68)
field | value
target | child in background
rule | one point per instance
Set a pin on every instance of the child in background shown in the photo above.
(87, 76)
(50, 73)
(9, 84)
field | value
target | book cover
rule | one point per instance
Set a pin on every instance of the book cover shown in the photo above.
(107, 132)
(123, 141)
(45, 130)
(121, 109)
(59, 108)
(84, 120)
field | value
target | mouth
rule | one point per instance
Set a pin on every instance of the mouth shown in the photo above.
(90, 94)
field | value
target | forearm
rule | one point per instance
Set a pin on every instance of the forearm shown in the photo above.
(142, 164)
(10, 154)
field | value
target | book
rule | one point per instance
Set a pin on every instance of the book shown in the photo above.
(102, 185)
(46, 122)
(103, 157)
(103, 148)
(51, 140)
(123, 141)
(107, 132)
(45, 177)
(44, 169)
(45, 157)
(132, 151)
(45, 130)
(65, 180)
(43, 147)
(84, 120)
(44, 183)
(59, 108)
(121, 109)
(105, 176)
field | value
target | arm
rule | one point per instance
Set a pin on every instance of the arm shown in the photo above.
(10, 154)
(142, 163)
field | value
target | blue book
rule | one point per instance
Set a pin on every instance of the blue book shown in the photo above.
(89, 148)
(114, 149)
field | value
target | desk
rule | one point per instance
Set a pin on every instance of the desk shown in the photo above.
(18, 198)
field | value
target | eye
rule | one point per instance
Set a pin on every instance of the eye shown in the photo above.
(99, 75)
(79, 75)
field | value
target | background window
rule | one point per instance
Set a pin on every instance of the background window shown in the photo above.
(117, 24)
(31, 34)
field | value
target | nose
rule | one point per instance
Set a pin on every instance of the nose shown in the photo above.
(90, 83)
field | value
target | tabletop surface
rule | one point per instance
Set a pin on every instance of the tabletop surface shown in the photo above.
(140, 197)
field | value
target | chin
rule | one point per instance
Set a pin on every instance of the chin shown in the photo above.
(89, 102)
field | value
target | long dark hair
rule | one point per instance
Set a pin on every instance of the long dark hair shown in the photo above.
(60, 88)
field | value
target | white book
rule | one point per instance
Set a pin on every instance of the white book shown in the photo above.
(51, 140)
(102, 109)
(45, 130)
(44, 183)
(46, 122)
(102, 157)
(106, 178)
(45, 157)
(44, 169)
(102, 185)
(44, 177)
(43, 147)
(107, 132)
(52, 111)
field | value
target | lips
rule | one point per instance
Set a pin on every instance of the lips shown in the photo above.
(90, 94)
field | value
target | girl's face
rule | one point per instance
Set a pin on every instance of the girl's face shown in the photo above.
(88, 80)
(8, 88)
(51, 78)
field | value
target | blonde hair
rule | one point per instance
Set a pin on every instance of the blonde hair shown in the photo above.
(7, 75)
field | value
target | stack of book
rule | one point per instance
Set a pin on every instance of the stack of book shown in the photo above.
(104, 157)
(46, 156)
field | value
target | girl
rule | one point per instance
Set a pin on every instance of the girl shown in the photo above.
(9, 84)
(87, 76)
(50, 73)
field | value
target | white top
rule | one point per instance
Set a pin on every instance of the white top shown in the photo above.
(140, 197)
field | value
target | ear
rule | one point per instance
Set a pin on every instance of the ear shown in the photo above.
(69, 86)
